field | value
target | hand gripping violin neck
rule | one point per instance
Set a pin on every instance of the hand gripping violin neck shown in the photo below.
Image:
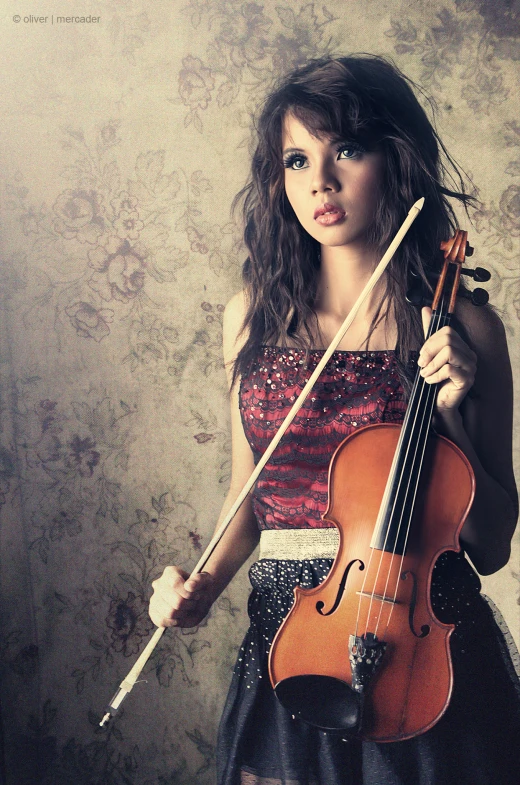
(363, 653)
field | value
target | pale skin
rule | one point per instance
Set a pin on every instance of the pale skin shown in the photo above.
(320, 172)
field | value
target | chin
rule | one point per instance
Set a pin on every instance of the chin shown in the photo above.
(342, 239)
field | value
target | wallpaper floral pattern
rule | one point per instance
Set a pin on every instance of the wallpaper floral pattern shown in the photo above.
(122, 152)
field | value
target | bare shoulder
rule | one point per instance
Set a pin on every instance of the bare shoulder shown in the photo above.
(233, 334)
(486, 333)
(235, 311)
(488, 413)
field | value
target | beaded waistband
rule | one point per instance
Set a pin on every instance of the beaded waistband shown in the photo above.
(299, 544)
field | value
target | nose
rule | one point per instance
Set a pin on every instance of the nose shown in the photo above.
(323, 178)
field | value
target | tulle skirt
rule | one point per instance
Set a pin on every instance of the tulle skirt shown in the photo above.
(476, 742)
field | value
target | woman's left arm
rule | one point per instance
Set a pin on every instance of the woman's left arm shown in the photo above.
(480, 424)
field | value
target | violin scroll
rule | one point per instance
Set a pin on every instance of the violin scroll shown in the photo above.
(418, 293)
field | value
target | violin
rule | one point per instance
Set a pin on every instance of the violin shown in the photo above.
(363, 653)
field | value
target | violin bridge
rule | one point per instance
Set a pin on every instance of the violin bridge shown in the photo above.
(380, 597)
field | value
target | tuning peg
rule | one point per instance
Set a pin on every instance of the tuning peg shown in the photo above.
(479, 297)
(481, 275)
(469, 250)
(478, 273)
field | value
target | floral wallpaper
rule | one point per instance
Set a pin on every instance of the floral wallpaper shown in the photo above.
(123, 143)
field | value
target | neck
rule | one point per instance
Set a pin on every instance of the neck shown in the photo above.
(344, 272)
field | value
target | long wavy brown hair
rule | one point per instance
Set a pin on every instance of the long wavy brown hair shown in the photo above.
(363, 99)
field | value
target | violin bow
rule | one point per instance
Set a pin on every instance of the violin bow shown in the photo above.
(127, 684)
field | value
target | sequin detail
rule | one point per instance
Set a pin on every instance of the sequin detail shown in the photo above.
(354, 389)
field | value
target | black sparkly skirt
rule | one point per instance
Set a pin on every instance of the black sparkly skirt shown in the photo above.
(476, 742)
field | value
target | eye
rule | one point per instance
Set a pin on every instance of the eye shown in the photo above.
(295, 161)
(350, 150)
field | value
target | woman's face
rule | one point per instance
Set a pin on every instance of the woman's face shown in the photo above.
(332, 185)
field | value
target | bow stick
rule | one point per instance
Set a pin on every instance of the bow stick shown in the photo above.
(128, 683)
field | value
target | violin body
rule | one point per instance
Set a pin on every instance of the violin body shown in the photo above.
(375, 590)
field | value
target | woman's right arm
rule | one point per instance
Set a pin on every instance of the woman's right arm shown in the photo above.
(177, 601)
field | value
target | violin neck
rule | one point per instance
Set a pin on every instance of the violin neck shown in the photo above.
(393, 523)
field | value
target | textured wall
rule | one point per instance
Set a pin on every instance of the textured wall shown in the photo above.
(123, 143)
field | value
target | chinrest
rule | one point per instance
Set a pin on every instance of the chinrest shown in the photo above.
(324, 702)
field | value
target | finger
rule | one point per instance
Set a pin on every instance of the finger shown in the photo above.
(175, 573)
(160, 614)
(198, 584)
(426, 314)
(452, 357)
(173, 577)
(448, 338)
(175, 602)
(168, 604)
(165, 614)
(434, 344)
(450, 373)
(436, 341)
(176, 580)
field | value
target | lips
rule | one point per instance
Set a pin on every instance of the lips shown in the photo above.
(328, 214)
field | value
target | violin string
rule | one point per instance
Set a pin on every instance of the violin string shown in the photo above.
(429, 394)
(390, 519)
(440, 318)
(421, 411)
(425, 414)
(431, 391)
(417, 427)
(362, 595)
(383, 506)
(383, 551)
(370, 596)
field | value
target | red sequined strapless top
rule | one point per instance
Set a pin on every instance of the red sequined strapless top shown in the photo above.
(354, 389)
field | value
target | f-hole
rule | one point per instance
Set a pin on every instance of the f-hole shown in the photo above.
(425, 629)
(320, 604)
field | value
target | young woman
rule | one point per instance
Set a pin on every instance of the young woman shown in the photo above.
(344, 149)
